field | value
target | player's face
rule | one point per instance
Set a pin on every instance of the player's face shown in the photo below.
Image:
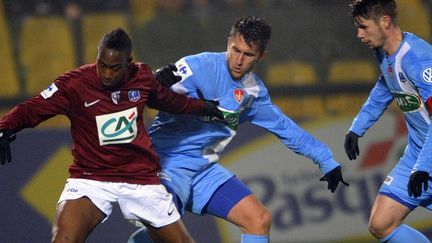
(370, 32)
(112, 66)
(241, 57)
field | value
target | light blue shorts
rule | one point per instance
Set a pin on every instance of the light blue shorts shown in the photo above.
(395, 186)
(195, 189)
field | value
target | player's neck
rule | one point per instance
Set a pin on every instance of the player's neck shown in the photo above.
(393, 41)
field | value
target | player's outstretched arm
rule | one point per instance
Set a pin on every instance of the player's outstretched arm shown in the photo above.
(6, 137)
(333, 178)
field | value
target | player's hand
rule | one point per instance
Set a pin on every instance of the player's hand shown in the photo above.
(333, 178)
(351, 145)
(417, 180)
(165, 75)
(6, 137)
(211, 109)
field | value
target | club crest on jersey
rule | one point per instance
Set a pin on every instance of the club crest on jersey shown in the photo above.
(116, 128)
(390, 71)
(115, 97)
(239, 95)
(402, 77)
(427, 75)
(134, 95)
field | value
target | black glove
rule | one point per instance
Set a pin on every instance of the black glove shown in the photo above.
(166, 76)
(6, 137)
(211, 109)
(351, 145)
(333, 178)
(416, 180)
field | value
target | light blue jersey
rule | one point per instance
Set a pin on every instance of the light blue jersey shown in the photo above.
(190, 146)
(407, 78)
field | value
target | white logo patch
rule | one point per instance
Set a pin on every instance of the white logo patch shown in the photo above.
(117, 128)
(183, 69)
(48, 92)
(427, 75)
(388, 180)
(164, 176)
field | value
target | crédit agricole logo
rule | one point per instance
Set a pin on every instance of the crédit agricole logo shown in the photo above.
(116, 128)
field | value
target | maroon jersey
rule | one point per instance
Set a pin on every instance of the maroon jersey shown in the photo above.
(110, 141)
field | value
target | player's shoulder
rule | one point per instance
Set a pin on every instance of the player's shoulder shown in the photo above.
(414, 39)
(139, 72)
(207, 63)
(418, 52)
(210, 55)
(418, 47)
(84, 72)
(205, 57)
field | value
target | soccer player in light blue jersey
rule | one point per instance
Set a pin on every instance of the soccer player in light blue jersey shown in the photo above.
(406, 76)
(190, 147)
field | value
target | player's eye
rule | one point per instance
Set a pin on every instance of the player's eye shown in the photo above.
(116, 68)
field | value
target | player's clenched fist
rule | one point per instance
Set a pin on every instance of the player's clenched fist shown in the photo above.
(165, 75)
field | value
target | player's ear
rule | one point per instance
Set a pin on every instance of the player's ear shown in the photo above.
(385, 21)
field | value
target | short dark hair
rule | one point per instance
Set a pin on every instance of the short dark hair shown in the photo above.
(254, 30)
(117, 39)
(373, 9)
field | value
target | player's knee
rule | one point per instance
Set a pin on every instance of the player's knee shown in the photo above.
(266, 219)
(377, 229)
(259, 222)
(64, 233)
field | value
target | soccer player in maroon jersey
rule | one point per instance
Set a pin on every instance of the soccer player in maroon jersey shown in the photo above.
(113, 158)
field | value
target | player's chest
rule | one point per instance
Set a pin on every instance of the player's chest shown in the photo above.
(404, 92)
(91, 103)
(234, 97)
(395, 76)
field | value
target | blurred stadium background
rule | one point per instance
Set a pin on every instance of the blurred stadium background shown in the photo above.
(316, 71)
